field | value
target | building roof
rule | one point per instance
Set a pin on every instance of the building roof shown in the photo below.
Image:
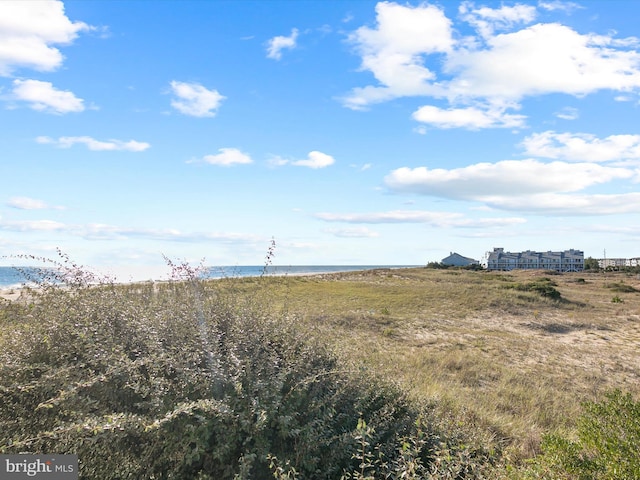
(457, 256)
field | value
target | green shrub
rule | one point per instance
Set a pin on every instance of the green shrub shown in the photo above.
(621, 287)
(543, 286)
(437, 266)
(606, 448)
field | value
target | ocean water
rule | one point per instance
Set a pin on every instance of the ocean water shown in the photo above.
(256, 271)
(11, 277)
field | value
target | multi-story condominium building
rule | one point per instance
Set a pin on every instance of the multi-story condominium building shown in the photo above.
(567, 261)
(612, 262)
(633, 262)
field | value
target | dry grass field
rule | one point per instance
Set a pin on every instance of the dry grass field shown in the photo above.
(286, 365)
(514, 362)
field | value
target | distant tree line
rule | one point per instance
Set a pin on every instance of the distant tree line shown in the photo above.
(444, 266)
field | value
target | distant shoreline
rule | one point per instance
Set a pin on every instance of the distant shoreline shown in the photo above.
(13, 291)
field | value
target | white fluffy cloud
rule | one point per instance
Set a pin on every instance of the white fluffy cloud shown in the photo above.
(582, 147)
(568, 113)
(414, 51)
(395, 216)
(439, 219)
(277, 44)
(42, 96)
(228, 157)
(315, 160)
(487, 20)
(394, 50)
(542, 59)
(101, 231)
(33, 226)
(507, 178)
(570, 205)
(524, 186)
(469, 117)
(561, 5)
(195, 100)
(96, 145)
(26, 203)
(28, 32)
(356, 232)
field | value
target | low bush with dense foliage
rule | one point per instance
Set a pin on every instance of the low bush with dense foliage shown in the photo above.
(542, 286)
(606, 448)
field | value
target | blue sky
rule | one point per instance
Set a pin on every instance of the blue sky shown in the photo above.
(350, 132)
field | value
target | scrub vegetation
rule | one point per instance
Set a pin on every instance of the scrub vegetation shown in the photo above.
(408, 373)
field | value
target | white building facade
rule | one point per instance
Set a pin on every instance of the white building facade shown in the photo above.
(612, 262)
(567, 261)
(633, 262)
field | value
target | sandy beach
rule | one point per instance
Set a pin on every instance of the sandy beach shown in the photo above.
(10, 293)
(14, 293)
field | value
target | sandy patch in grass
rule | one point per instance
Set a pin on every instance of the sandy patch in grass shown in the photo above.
(10, 293)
